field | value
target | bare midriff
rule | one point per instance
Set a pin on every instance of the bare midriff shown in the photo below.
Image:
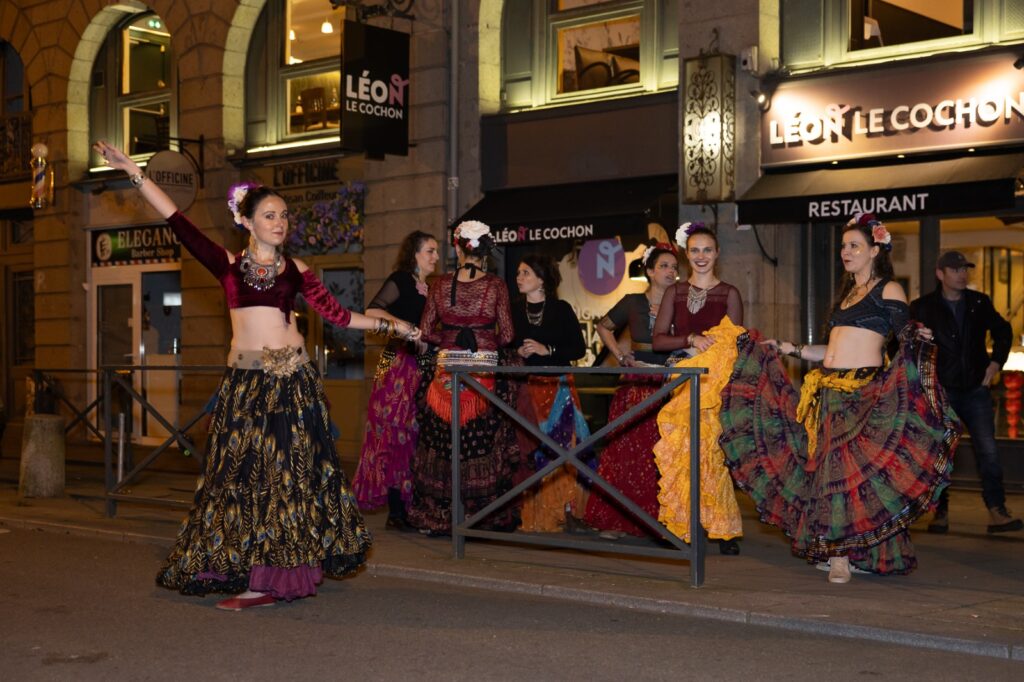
(853, 347)
(260, 327)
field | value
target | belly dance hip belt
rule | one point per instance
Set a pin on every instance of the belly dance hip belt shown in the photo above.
(278, 362)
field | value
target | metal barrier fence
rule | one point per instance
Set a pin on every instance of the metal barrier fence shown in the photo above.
(462, 527)
(117, 379)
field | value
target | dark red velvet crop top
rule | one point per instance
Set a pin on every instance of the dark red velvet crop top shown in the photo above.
(289, 281)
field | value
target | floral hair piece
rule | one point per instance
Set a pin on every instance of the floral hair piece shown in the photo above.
(879, 234)
(472, 231)
(651, 249)
(236, 195)
(686, 229)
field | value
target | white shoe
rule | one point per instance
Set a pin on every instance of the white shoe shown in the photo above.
(826, 566)
(840, 570)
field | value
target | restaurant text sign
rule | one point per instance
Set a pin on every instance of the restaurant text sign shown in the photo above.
(946, 104)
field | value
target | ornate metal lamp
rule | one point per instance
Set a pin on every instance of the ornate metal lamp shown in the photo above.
(709, 128)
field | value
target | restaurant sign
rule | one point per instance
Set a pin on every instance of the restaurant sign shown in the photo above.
(951, 103)
(375, 102)
(135, 246)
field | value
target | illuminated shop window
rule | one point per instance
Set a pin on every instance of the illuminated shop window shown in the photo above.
(886, 23)
(591, 49)
(131, 93)
(822, 33)
(293, 80)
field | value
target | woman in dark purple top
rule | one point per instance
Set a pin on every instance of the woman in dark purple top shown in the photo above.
(273, 512)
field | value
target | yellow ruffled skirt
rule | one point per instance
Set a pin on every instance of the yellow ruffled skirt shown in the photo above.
(719, 512)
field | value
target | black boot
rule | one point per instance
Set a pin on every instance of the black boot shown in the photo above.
(729, 547)
(396, 513)
(940, 521)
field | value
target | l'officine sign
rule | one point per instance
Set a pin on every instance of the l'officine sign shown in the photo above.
(949, 103)
(375, 102)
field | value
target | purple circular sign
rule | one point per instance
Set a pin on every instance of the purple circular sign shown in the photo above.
(602, 265)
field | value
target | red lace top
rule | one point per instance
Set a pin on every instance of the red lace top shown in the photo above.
(722, 299)
(481, 307)
(289, 281)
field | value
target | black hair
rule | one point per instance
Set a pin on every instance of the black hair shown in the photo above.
(247, 206)
(702, 229)
(410, 246)
(546, 269)
(652, 258)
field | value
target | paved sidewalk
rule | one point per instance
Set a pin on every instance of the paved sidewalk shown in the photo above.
(967, 595)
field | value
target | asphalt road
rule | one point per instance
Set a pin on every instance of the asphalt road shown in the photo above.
(74, 608)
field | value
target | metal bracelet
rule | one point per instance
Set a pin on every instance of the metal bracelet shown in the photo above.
(137, 179)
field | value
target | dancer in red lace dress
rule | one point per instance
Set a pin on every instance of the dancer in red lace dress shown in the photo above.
(467, 310)
(628, 461)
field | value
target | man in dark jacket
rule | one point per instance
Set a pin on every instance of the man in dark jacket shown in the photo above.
(959, 318)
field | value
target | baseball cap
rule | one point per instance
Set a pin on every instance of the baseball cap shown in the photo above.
(953, 259)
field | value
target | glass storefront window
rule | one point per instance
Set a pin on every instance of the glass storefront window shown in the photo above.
(146, 62)
(599, 54)
(339, 352)
(878, 23)
(12, 81)
(147, 127)
(311, 31)
(24, 341)
(313, 102)
(563, 5)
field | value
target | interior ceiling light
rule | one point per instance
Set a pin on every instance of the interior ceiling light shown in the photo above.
(326, 27)
(291, 34)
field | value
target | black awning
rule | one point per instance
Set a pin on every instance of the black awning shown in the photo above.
(576, 211)
(900, 190)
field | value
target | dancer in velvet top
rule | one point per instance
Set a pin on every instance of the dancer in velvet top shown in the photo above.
(845, 469)
(548, 334)
(273, 512)
(467, 310)
(698, 305)
(628, 462)
(389, 439)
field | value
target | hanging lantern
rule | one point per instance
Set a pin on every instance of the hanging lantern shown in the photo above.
(709, 129)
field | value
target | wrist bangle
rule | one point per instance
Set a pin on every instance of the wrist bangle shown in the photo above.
(137, 179)
(798, 351)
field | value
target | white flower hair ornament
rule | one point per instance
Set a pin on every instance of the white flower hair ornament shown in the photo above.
(647, 254)
(684, 231)
(236, 195)
(472, 231)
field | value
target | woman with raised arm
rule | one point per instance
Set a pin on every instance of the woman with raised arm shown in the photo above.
(273, 513)
(702, 321)
(628, 462)
(389, 439)
(846, 465)
(468, 317)
(548, 335)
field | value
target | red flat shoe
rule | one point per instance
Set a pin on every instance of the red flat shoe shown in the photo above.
(239, 603)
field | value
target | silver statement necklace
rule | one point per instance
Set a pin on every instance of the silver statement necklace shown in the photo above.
(536, 318)
(696, 298)
(257, 275)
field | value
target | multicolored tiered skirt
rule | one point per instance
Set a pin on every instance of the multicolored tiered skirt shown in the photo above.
(552, 403)
(628, 460)
(488, 452)
(389, 440)
(882, 453)
(273, 511)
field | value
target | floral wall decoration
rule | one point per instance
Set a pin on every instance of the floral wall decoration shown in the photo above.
(331, 226)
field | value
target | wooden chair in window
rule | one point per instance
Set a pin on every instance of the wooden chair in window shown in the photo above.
(593, 68)
(625, 70)
(314, 108)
